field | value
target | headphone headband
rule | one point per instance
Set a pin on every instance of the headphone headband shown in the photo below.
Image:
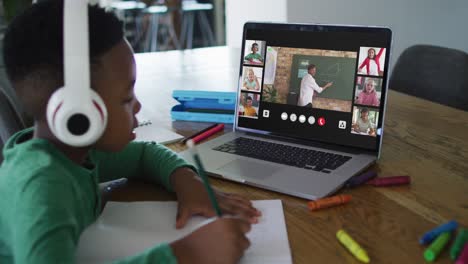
(76, 114)
(76, 48)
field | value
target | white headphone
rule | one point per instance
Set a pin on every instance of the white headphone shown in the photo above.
(76, 114)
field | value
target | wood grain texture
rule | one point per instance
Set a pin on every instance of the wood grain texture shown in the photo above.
(425, 140)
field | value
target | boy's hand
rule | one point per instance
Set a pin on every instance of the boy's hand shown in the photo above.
(221, 241)
(193, 200)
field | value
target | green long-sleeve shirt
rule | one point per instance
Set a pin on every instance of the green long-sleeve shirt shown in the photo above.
(47, 201)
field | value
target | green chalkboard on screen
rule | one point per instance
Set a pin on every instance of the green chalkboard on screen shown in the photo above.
(339, 70)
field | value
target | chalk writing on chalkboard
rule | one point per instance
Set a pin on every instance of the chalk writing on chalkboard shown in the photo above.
(329, 73)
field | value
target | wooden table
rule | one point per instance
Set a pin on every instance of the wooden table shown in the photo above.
(422, 139)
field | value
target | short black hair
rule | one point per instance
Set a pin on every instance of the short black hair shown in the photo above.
(33, 47)
(310, 67)
(249, 98)
(254, 44)
(364, 110)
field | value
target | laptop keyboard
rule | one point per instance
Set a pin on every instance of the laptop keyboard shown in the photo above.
(284, 154)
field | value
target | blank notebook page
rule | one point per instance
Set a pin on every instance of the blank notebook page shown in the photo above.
(153, 132)
(126, 229)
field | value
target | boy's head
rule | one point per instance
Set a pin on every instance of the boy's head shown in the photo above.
(33, 53)
(249, 101)
(254, 47)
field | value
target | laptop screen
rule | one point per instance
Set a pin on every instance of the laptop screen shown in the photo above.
(315, 82)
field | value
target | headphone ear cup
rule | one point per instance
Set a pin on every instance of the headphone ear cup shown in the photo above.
(79, 122)
(90, 120)
(53, 106)
(100, 112)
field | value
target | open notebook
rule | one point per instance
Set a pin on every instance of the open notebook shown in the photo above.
(125, 229)
(147, 131)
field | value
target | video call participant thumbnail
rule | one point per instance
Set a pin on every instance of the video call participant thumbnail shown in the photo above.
(363, 124)
(248, 105)
(368, 94)
(254, 57)
(373, 63)
(251, 79)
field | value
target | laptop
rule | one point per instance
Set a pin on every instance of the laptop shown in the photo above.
(310, 108)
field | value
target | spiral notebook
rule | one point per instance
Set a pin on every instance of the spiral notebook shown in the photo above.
(148, 132)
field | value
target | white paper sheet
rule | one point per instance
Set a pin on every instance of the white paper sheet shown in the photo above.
(126, 229)
(152, 132)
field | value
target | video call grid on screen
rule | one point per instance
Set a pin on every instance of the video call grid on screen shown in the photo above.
(338, 56)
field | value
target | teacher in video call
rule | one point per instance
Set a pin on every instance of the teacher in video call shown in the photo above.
(309, 85)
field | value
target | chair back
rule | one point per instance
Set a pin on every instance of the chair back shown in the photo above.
(434, 73)
(10, 120)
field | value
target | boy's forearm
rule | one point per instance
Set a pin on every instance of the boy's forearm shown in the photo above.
(182, 178)
(147, 161)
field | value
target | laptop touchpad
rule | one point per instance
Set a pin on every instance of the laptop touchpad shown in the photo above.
(249, 169)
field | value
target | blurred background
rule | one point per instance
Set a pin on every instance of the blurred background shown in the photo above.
(159, 25)
(155, 25)
(429, 51)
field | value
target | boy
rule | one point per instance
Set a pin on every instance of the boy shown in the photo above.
(249, 110)
(49, 191)
(254, 57)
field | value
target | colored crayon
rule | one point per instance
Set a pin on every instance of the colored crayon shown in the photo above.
(329, 202)
(431, 253)
(361, 179)
(352, 246)
(431, 235)
(463, 258)
(390, 181)
(198, 133)
(462, 239)
(208, 133)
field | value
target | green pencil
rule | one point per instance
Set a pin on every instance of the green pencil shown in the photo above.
(201, 172)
